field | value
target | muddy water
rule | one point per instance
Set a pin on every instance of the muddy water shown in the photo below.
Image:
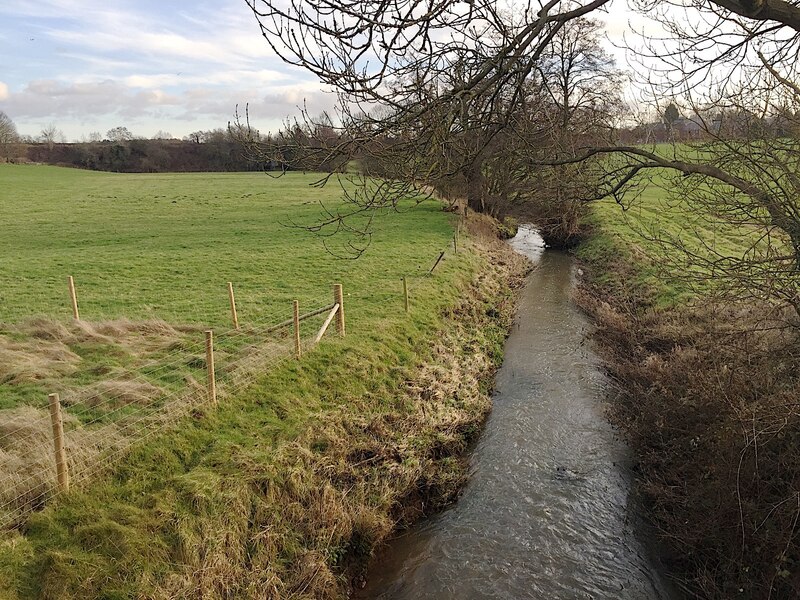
(546, 512)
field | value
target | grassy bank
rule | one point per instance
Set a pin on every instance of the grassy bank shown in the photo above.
(707, 397)
(283, 490)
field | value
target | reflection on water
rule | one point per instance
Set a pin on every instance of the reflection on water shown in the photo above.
(545, 514)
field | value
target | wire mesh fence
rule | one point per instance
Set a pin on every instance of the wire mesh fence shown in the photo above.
(102, 419)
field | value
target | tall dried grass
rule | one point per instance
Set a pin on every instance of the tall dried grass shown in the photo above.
(709, 397)
(41, 351)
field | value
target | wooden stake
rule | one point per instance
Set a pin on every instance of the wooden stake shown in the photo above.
(212, 380)
(74, 298)
(436, 264)
(327, 322)
(338, 298)
(232, 298)
(296, 317)
(405, 291)
(58, 442)
(455, 241)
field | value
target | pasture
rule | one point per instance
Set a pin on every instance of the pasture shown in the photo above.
(151, 256)
(666, 244)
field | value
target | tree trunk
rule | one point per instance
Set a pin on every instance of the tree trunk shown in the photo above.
(475, 188)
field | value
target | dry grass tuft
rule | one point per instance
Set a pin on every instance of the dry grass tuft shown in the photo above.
(27, 463)
(34, 360)
(113, 393)
(44, 351)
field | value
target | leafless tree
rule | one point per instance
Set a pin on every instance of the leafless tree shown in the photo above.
(8, 136)
(50, 135)
(740, 163)
(444, 97)
(8, 131)
(583, 89)
(119, 134)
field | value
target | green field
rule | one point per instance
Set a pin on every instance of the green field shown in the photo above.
(665, 244)
(155, 245)
(144, 247)
(151, 255)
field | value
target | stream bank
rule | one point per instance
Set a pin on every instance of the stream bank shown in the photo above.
(547, 512)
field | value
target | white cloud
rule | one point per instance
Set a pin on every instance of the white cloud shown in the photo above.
(149, 64)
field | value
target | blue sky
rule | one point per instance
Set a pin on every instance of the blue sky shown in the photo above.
(175, 65)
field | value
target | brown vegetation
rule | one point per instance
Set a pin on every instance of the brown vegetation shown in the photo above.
(709, 398)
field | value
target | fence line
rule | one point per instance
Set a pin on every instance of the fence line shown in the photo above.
(191, 347)
(112, 433)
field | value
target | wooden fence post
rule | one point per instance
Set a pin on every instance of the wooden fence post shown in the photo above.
(212, 380)
(405, 291)
(73, 298)
(325, 325)
(58, 443)
(296, 318)
(455, 241)
(436, 264)
(338, 298)
(232, 299)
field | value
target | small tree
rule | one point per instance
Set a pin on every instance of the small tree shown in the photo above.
(119, 134)
(671, 115)
(8, 136)
(8, 131)
(50, 134)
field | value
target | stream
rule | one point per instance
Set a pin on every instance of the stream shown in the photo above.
(547, 513)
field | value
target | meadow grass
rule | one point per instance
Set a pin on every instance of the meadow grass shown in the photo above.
(181, 504)
(164, 245)
(647, 235)
(146, 246)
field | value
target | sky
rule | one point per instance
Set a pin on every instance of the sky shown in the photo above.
(174, 66)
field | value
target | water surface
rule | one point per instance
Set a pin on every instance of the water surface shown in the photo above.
(546, 512)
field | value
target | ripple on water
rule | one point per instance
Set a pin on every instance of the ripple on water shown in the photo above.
(545, 514)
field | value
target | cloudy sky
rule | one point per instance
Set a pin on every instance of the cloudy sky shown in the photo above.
(170, 65)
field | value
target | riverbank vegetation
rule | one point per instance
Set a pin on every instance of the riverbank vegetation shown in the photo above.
(285, 488)
(707, 385)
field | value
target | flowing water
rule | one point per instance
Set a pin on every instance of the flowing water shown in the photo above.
(546, 512)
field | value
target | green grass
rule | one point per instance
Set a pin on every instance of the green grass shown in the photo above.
(641, 238)
(143, 246)
(146, 246)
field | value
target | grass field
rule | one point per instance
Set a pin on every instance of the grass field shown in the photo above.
(646, 236)
(151, 255)
(144, 247)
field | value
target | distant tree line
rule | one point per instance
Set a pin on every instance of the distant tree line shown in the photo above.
(120, 151)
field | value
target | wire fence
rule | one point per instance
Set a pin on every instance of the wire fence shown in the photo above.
(91, 427)
(103, 419)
